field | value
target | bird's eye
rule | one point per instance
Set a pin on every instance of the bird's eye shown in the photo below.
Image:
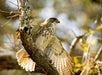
(58, 21)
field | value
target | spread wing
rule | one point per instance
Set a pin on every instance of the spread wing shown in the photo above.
(24, 60)
(41, 40)
(60, 58)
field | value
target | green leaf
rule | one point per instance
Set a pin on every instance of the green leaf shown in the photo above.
(99, 27)
(100, 40)
(83, 46)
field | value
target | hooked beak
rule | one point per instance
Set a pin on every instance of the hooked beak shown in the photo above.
(58, 21)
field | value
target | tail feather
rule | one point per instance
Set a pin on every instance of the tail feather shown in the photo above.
(62, 63)
(24, 60)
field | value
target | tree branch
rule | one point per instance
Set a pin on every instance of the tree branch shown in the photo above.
(74, 43)
(98, 53)
(37, 55)
(7, 62)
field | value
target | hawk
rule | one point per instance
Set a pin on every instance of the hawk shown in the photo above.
(44, 38)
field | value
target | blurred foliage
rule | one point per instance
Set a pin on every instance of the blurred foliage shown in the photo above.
(37, 4)
(89, 12)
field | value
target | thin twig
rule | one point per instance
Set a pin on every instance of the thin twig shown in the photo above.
(98, 53)
(12, 3)
(75, 41)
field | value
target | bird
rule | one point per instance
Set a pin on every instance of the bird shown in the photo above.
(44, 39)
(60, 57)
(45, 33)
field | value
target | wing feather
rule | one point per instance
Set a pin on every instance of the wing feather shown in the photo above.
(60, 57)
(24, 60)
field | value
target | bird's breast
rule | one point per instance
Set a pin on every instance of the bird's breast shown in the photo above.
(44, 39)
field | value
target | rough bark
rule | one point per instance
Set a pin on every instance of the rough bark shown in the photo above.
(37, 55)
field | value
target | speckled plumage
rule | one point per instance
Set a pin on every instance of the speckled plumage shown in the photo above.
(44, 39)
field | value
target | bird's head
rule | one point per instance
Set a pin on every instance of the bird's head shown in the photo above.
(53, 21)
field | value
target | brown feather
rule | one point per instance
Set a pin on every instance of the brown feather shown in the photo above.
(60, 57)
(24, 60)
